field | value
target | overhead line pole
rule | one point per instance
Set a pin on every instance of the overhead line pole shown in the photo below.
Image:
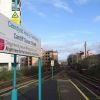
(85, 46)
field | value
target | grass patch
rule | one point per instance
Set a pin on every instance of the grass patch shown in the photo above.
(8, 75)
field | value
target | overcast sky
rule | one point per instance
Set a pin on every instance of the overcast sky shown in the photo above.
(63, 25)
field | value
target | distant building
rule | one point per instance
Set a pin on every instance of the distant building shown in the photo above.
(48, 56)
(55, 55)
(30, 61)
(43, 56)
(6, 8)
(88, 53)
(7, 61)
(64, 63)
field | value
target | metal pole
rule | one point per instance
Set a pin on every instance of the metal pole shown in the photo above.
(77, 58)
(14, 91)
(85, 46)
(16, 5)
(14, 80)
(52, 72)
(39, 79)
(52, 65)
(72, 59)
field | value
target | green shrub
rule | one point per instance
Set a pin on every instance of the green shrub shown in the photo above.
(30, 71)
(95, 71)
(5, 74)
(8, 75)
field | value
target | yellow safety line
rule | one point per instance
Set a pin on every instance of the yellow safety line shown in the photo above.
(79, 90)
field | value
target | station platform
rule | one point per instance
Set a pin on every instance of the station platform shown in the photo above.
(55, 90)
(60, 88)
(49, 92)
(67, 91)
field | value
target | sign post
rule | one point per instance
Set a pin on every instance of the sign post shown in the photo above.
(52, 64)
(14, 39)
(18, 41)
(39, 79)
(14, 91)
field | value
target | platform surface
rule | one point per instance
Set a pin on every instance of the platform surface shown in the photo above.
(67, 91)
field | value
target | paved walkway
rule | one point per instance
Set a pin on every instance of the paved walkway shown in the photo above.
(49, 92)
(67, 91)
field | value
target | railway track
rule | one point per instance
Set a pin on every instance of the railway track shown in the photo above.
(6, 86)
(19, 80)
(92, 79)
(92, 83)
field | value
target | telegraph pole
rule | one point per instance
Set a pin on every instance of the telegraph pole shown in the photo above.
(85, 47)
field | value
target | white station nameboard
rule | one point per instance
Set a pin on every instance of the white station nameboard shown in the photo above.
(52, 62)
(16, 40)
